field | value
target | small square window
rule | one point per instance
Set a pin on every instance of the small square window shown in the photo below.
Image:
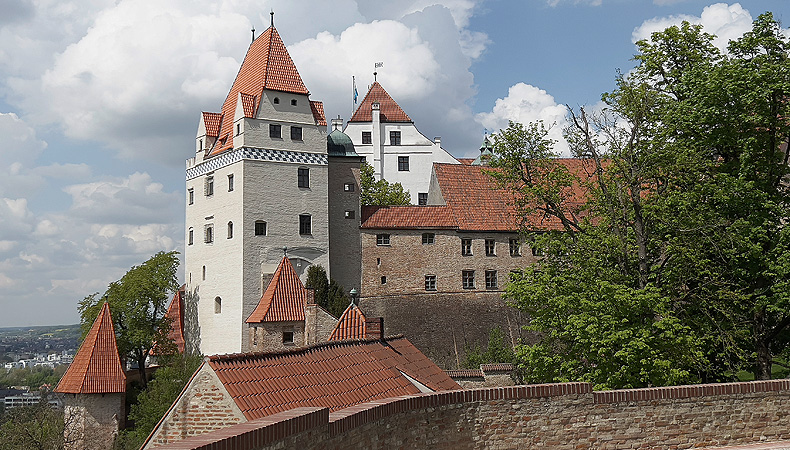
(394, 137)
(491, 279)
(422, 198)
(428, 238)
(348, 187)
(515, 247)
(305, 224)
(275, 131)
(230, 183)
(350, 214)
(296, 133)
(208, 236)
(430, 282)
(288, 337)
(191, 196)
(209, 186)
(403, 163)
(260, 228)
(293, 102)
(468, 279)
(382, 239)
(303, 178)
(191, 238)
(466, 247)
(367, 137)
(490, 247)
(384, 280)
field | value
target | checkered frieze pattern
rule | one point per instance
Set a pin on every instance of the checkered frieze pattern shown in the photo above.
(261, 154)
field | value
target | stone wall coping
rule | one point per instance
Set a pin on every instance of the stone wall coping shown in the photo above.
(259, 432)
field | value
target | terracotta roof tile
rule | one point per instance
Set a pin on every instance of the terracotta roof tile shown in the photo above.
(248, 103)
(465, 373)
(390, 111)
(333, 375)
(411, 217)
(285, 297)
(318, 112)
(96, 368)
(496, 367)
(267, 65)
(212, 120)
(176, 313)
(350, 326)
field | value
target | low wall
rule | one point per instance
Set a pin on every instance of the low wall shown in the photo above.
(557, 416)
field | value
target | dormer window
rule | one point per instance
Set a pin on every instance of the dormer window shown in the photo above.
(276, 100)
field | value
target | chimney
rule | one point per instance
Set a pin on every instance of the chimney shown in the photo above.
(310, 296)
(337, 124)
(375, 136)
(374, 328)
(438, 141)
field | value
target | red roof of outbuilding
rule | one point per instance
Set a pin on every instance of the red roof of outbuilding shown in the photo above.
(267, 65)
(285, 297)
(350, 326)
(411, 217)
(96, 368)
(334, 375)
(390, 111)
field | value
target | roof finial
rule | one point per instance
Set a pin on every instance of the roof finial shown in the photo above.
(376, 66)
(272, 14)
(253, 33)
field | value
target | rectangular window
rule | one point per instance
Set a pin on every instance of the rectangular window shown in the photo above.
(208, 235)
(348, 187)
(350, 214)
(191, 236)
(383, 280)
(191, 196)
(468, 279)
(304, 178)
(515, 247)
(238, 129)
(428, 238)
(305, 224)
(490, 247)
(275, 131)
(296, 133)
(403, 163)
(430, 282)
(382, 239)
(422, 198)
(536, 251)
(466, 247)
(288, 337)
(209, 186)
(394, 137)
(230, 183)
(260, 228)
(491, 279)
(367, 137)
(230, 230)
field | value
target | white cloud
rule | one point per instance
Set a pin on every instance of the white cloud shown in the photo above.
(727, 22)
(525, 103)
(554, 3)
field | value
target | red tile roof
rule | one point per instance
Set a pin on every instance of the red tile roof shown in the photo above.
(249, 105)
(411, 217)
(334, 375)
(465, 373)
(285, 297)
(390, 111)
(466, 161)
(350, 326)
(318, 112)
(267, 65)
(176, 313)
(212, 120)
(96, 368)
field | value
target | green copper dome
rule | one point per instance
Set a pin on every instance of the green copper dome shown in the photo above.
(339, 144)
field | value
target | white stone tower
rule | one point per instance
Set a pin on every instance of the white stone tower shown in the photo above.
(257, 184)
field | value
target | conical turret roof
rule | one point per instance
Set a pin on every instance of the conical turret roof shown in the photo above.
(285, 297)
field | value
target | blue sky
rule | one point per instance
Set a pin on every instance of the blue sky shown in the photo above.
(100, 100)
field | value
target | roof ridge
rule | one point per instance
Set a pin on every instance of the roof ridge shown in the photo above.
(304, 349)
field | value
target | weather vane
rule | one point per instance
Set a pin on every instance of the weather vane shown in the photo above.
(376, 66)
(272, 14)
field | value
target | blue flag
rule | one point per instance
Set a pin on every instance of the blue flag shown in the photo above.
(355, 89)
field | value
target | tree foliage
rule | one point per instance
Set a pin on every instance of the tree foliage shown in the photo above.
(328, 294)
(381, 192)
(674, 267)
(138, 302)
(497, 350)
(38, 427)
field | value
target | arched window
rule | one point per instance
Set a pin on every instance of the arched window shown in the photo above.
(276, 100)
(230, 230)
(217, 305)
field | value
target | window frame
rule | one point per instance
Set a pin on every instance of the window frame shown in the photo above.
(383, 240)
(305, 225)
(468, 279)
(231, 182)
(288, 337)
(303, 177)
(430, 283)
(491, 279)
(515, 247)
(395, 137)
(209, 186)
(422, 198)
(428, 238)
(275, 131)
(367, 137)
(257, 224)
(218, 305)
(403, 164)
(296, 133)
(230, 230)
(191, 196)
(490, 247)
(191, 236)
(466, 247)
(208, 234)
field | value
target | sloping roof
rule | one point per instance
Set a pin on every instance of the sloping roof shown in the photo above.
(390, 111)
(334, 375)
(248, 103)
(176, 313)
(212, 121)
(96, 368)
(267, 65)
(285, 297)
(318, 112)
(350, 326)
(411, 217)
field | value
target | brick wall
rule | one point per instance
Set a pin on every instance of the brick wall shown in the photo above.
(557, 416)
(444, 325)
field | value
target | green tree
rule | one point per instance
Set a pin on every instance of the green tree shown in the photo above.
(381, 192)
(497, 350)
(673, 262)
(38, 427)
(328, 294)
(138, 302)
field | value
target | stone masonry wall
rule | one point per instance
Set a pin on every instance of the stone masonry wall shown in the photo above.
(91, 421)
(556, 416)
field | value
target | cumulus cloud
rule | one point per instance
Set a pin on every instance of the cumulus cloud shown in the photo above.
(525, 103)
(726, 22)
(19, 153)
